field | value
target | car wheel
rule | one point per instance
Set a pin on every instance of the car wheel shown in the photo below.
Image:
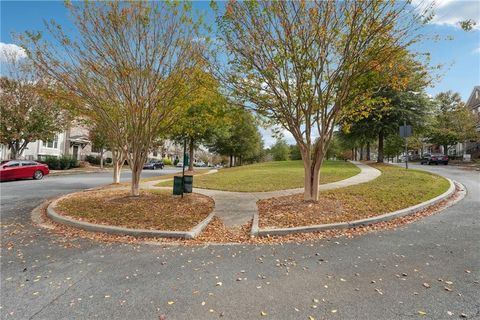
(38, 175)
(445, 163)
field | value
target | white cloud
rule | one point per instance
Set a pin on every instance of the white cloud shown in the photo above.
(451, 12)
(10, 51)
(476, 50)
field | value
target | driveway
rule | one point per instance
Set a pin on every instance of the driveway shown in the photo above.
(429, 269)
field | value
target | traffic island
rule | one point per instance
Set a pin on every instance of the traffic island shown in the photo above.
(396, 193)
(155, 213)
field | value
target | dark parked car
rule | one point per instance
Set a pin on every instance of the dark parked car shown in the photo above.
(434, 158)
(154, 164)
(22, 169)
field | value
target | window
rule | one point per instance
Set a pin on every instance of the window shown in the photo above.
(28, 163)
(12, 164)
(52, 143)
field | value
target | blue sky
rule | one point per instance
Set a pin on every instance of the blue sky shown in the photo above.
(460, 56)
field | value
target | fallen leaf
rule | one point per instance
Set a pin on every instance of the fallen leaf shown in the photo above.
(426, 285)
(263, 313)
(171, 302)
(422, 313)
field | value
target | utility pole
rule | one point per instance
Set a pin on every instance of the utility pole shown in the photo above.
(406, 146)
(183, 166)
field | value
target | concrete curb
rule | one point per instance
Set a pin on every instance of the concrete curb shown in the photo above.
(256, 231)
(87, 226)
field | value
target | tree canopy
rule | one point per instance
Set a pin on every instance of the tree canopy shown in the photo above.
(26, 114)
(123, 66)
(300, 63)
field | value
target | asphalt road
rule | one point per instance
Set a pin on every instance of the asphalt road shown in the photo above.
(376, 276)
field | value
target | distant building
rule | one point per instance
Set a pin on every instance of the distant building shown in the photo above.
(473, 103)
(74, 142)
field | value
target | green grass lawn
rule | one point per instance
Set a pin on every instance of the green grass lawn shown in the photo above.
(269, 176)
(395, 189)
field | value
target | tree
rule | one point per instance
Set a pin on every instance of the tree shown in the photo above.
(99, 141)
(201, 115)
(280, 150)
(26, 115)
(240, 140)
(124, 65)
(295, 152)
(299, 63)
(452, 122)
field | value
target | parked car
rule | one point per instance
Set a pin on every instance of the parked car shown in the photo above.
(200, 164)
(434, 158)
(153, 165)
(22, 169)
(179, 164)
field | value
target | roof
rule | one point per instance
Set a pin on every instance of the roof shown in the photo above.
(79, 139)
(474, 99)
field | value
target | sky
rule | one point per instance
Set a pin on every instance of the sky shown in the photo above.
(460, 57)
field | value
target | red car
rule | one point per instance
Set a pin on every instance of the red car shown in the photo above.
(22, 169)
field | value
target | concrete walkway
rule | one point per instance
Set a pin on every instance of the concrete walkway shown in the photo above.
(238, 208)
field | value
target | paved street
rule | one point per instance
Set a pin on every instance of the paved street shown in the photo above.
(429, 269)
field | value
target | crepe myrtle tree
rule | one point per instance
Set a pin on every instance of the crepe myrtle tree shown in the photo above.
(298, 62)
(123, 65)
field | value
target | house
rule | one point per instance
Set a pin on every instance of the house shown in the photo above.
(73, 141)
(473, 103)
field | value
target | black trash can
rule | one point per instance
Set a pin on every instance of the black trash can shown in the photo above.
(188, 184)
(177, 185)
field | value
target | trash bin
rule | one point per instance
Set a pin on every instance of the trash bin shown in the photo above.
(177, 185)
(188, 184)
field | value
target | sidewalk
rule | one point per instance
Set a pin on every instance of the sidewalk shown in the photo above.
(238, 208)
(78, 170)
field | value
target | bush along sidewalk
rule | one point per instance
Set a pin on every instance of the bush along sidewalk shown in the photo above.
(60, 163)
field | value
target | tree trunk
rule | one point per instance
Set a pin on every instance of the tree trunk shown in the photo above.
(101, 158)
(16, 148)
(368, 151)
(355, 157)
(380, 147)
(361, 152)
(136, 168)
(231, 160)
(118, 160)
(312, 179)
(353, 154)
(445, 149)
(190, 155)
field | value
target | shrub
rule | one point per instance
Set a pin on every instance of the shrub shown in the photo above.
(52, 162)
(64, 162)
(92, 159)
(60, 163)
(167, 162)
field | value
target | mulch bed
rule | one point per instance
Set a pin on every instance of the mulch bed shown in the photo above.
(151, 210)
(294, 211)
(217, 233)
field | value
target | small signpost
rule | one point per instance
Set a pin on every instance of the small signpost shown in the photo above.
(405, 132)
